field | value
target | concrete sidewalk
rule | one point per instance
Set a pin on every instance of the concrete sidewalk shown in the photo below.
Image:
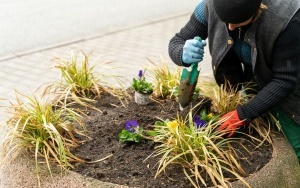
(127, 48)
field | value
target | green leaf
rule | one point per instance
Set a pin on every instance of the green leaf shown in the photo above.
(151, 133)
(126, 136)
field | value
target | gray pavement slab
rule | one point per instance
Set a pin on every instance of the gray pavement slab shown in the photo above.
(127, 49)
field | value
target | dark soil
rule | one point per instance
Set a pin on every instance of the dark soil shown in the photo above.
(127, 165)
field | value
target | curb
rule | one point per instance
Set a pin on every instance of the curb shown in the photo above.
(283, 171)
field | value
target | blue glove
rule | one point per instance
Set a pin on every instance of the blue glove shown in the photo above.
(193, 51)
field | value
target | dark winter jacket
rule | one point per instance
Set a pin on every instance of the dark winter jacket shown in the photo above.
(269, 49)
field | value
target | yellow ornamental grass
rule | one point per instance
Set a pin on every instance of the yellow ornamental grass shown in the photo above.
(44, 129)
(80, 84)
(203, 153)
(165, 78)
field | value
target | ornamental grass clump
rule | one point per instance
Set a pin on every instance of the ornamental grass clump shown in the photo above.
(227, 98)
(79, 82)
(165, 79)
(264, 126)
(45, 130)
(78, 78)
(202, 152)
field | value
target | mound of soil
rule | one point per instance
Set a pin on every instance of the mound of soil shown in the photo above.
(127, 164)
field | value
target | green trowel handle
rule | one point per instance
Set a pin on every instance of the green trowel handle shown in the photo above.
(192, 72)
(188, 81)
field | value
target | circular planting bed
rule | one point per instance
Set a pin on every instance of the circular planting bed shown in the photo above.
(125, 164)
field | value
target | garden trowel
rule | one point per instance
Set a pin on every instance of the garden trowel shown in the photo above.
(188, 82)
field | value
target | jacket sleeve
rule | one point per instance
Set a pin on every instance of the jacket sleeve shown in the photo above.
(196, 26)
(286, 73)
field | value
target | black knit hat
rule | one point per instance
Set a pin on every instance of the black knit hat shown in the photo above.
(236, 11)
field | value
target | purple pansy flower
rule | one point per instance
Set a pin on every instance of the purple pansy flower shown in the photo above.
(199, 122)
(131, 126)
(140, 73)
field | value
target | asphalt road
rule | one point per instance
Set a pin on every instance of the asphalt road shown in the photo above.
(35, 24)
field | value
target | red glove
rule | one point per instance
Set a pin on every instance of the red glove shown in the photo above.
(231, 122)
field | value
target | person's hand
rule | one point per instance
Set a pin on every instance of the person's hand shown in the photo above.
(193, 51)
(231, 123)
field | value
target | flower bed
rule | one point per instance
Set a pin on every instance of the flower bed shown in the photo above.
(128, 165)
(184, 148)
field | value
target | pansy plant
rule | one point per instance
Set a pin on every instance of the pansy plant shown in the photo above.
(141, 85)
(199, 122)
(209, 118)
(132, 132)
(131, 126)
